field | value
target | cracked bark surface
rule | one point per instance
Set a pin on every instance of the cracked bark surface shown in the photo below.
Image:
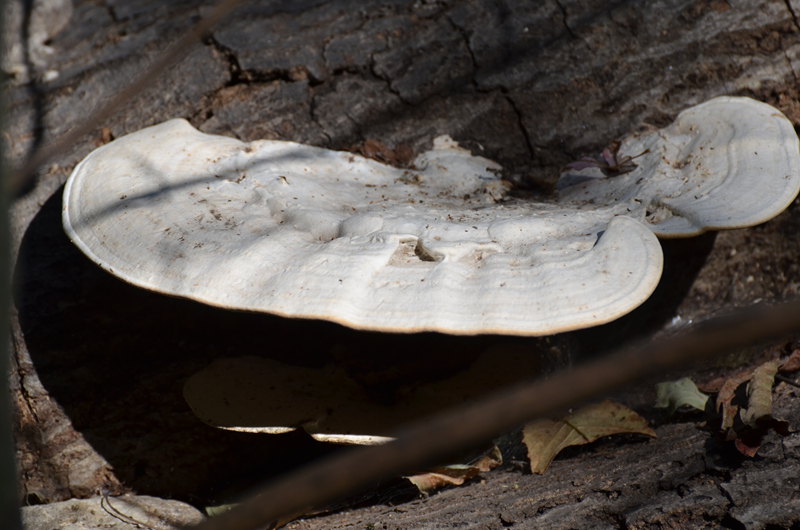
(680, 480)
(99, 364)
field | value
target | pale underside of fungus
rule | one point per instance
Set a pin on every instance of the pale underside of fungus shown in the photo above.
(306, 232)
(253, 394)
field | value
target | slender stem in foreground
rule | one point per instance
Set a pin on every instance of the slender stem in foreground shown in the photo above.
(9, 492)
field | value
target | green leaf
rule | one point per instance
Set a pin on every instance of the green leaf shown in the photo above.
(673, 395)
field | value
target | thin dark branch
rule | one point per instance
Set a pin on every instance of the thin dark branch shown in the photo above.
(19, 178)
(427, 442)
(110, 509)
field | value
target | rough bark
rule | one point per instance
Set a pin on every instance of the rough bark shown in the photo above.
(681, 480)
(532, 85)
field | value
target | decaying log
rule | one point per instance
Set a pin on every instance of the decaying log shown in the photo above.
(534, 85)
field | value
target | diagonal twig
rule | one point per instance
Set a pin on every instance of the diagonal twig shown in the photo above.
(22, 175)
(428, 441)
(113, 511)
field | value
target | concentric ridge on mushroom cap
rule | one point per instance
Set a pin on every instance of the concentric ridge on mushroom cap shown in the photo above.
(730, 162)
(306, 232)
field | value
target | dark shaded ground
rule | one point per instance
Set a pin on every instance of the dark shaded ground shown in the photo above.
(100, 364)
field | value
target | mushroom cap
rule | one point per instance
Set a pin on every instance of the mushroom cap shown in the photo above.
(730, 162)
(253, 394)
(306, 232)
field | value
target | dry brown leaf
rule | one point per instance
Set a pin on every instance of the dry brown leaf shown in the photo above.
(456, 475)
(759, 394)
(105, 137)
(546, 438)
(791, 363)
(746, 417)
(749, 450)
(757, 417)
(401, 156)
(725, 403)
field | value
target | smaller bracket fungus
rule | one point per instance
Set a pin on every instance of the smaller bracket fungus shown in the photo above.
(253, 394)
(730, 162)
(306, 232)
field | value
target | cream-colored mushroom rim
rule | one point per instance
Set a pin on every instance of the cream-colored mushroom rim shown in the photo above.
(730, 162)
(305, 232)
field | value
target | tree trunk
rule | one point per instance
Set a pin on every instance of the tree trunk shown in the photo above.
(98, 365)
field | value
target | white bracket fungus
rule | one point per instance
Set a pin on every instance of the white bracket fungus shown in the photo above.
(306, 232)
(727, 163)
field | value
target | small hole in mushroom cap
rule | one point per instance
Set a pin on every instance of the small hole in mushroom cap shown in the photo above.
(425, 254)
(411, 251)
